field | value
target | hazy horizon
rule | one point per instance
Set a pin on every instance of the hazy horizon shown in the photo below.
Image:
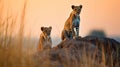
(96, 14)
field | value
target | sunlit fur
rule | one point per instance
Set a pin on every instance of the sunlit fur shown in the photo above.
(71, 27)
(45, 41)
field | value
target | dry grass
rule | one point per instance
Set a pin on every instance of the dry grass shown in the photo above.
(13, 53)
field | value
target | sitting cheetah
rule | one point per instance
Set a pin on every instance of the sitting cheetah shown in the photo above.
(71, 27)
(45, 41)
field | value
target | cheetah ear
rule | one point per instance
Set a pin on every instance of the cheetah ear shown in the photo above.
(72, 6)
(42, 28)
(80, 6)
(50, 27)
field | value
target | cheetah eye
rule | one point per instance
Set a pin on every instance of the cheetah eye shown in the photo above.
(75, 9)
(45, 30)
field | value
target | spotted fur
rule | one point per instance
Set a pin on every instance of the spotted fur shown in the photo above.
(45, 41)
(71, 27)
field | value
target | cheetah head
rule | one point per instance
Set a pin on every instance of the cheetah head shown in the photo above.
(76, 9)
(46, 31)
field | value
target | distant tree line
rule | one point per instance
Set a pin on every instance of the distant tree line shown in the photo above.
(97, 33)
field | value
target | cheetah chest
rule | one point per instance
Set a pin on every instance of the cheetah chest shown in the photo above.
(76, 22)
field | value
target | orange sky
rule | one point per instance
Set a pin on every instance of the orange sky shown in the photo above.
(96, 14)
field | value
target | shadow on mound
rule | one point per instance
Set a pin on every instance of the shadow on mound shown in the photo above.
(81, 52)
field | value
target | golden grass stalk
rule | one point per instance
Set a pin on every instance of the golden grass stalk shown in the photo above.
(103, 57)
(12, 55)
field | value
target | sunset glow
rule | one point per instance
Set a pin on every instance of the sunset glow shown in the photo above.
(96, 14)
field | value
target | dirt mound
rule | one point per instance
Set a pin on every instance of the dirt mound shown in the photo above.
(81, 52)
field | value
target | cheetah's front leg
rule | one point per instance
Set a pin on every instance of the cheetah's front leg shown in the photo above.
(77, 31)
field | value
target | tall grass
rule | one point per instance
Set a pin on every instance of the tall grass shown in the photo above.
(11, 45)
(13, 52)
